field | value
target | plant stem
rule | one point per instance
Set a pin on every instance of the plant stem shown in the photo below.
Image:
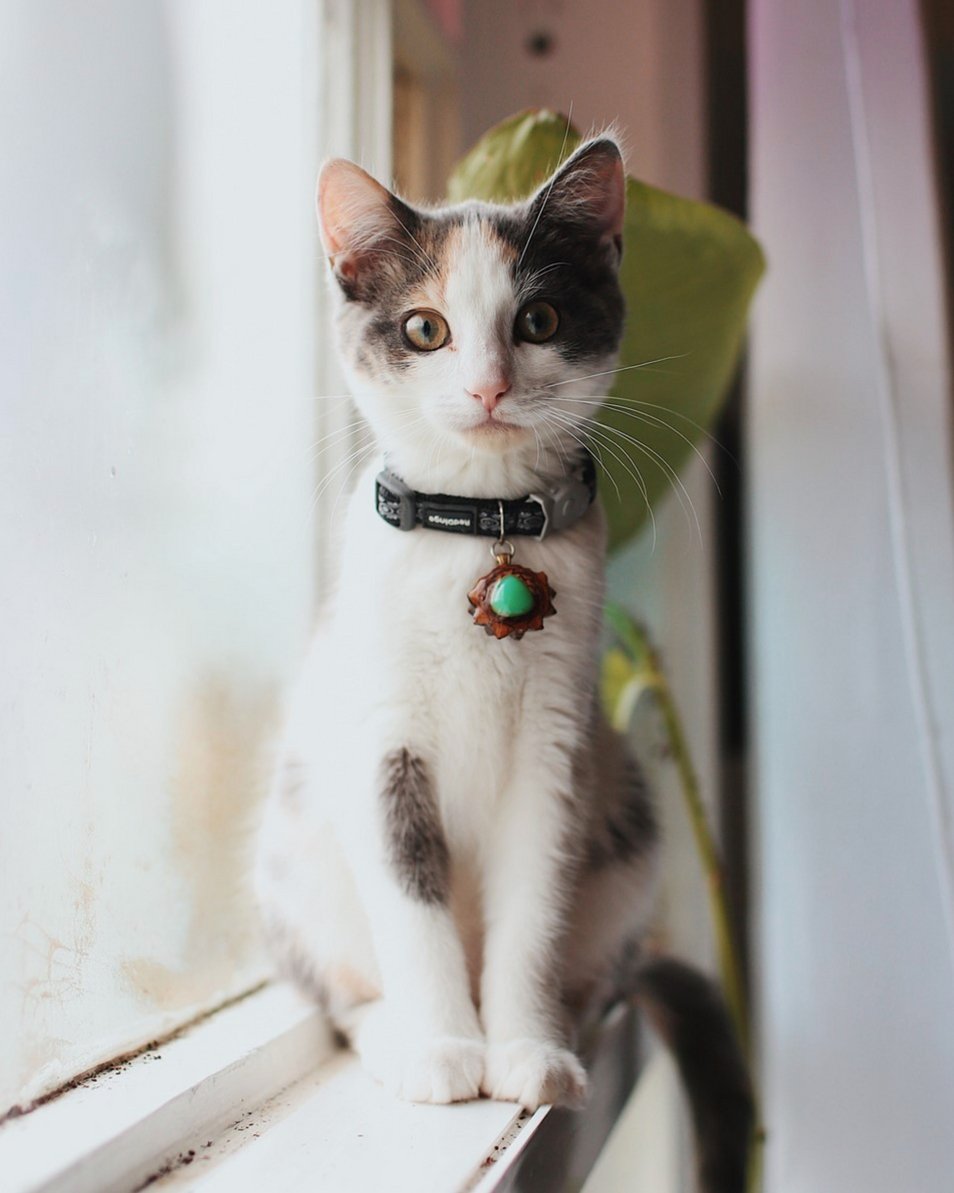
(648, 675)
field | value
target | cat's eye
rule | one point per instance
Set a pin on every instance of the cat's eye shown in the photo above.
(426, 330)
(536, 323)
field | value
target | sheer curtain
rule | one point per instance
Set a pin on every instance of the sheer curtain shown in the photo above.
(852, 548)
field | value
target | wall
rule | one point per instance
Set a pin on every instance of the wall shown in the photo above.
(852, 584)
(639, 65)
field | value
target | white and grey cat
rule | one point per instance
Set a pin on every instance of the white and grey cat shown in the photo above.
(458, 853)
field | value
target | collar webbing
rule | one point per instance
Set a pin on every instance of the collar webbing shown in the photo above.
(537, 514)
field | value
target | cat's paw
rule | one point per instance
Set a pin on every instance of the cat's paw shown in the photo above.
(420, 1068)
(533, 1072)
(445, 1069)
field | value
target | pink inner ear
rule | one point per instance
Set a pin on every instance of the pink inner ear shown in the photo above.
(610, 198)
(600, 187)
(593, 181)
(353, 209)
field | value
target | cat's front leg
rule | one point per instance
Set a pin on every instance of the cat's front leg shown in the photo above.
(526, 903)
(422, 1038)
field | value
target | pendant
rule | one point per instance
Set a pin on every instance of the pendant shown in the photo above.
(510, 599)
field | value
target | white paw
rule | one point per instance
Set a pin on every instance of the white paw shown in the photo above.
(533, 1072)
(419, 1068)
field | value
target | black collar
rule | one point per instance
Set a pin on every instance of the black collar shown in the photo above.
(537, 514)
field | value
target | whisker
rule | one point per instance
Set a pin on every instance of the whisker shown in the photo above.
(427, 258)
(682, 493)
(629, 467)
(368, 444)
(566, 133)
(653, 421)
(338, 432)
(576, 432)
(368, 440)
(554, 443)
(358, 461)
(401, 251)
(623, 369)
(716, 442)
(654, 406)
(432, 451)
(531, 282)
(611, 402)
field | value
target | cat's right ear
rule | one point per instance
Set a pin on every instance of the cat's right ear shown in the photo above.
(363, 226)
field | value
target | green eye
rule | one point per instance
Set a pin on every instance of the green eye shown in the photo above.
(536, 322)
(426, 330)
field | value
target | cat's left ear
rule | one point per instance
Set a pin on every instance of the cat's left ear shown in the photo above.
(588, 191)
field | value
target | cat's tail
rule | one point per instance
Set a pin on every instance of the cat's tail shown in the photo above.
(688, 1011)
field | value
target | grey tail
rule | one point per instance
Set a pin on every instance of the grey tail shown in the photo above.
(689, 1013)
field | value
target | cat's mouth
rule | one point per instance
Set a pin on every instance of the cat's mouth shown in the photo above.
(495, 435)
(494, 425)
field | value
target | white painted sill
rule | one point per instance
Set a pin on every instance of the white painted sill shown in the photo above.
(257, 1097)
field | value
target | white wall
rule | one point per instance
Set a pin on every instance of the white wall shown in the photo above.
(852, 593)
(637, 64)
(156, 348)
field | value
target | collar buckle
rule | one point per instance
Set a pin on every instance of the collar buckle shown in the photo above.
(390, 486)
(545, 502)
(564, 505)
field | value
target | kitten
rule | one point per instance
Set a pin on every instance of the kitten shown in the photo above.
(458, 852)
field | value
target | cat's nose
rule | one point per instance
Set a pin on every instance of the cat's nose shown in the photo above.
(489, 393)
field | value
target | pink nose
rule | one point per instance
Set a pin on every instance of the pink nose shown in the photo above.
(489, 393)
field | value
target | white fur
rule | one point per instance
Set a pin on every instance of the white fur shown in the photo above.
(444, 1001)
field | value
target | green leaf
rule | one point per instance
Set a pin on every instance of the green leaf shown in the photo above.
(511, 160)
(689, 271)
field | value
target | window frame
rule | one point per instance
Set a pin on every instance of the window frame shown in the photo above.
(345, 48)
(353, 119)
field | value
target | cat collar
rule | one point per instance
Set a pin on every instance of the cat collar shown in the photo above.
(536, 515)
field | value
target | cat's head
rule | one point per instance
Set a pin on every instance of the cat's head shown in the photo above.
(477, 328)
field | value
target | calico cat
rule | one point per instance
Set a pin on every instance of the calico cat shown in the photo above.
(458, 852)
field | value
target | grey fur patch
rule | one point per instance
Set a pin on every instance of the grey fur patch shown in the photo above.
(627, 829)
(416, 845)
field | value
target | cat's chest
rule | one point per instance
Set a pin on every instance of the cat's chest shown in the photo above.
(409, 594)
(401, 657)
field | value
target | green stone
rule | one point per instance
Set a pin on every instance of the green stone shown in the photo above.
(510, 597)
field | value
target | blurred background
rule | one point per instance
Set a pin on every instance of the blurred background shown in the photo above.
(175, 439)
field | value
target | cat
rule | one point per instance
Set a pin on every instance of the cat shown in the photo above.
(458, 854)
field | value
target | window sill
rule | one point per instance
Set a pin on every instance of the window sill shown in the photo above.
(285, 1110)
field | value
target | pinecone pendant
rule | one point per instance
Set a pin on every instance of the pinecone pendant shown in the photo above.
(510, 599)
